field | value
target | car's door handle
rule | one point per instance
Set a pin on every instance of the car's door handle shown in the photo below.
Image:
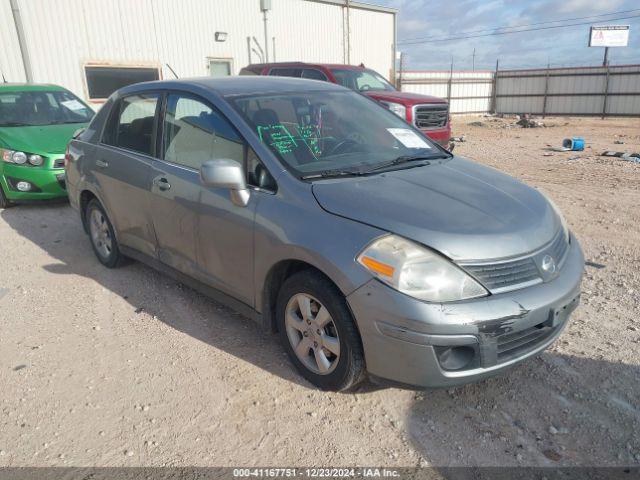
(102, 164)
(162, 183)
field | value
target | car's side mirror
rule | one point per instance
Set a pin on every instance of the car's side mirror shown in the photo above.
(225, 173)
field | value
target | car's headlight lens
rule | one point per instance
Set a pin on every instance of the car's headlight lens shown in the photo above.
(563, 221)
(35, 160)
(417, 271)
(19, 158)
(396, 108)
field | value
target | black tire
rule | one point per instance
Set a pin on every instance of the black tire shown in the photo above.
(4, 202)
(350, 367)
(109, 257)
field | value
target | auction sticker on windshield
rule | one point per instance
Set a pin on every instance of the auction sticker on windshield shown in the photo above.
(73, 105)
(408, 138)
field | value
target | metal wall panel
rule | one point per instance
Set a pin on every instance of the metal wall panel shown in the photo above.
(372, 41)
(64, 35)
(468, 92)
(578, 91)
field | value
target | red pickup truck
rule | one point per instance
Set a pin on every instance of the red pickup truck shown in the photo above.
(429, 114)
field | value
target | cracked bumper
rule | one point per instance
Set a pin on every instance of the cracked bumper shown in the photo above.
(404, 338)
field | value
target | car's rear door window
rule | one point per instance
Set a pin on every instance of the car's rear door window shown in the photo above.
(133, 124)
(313, 74)
(286, 72)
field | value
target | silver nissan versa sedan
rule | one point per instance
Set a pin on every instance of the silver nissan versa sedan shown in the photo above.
(322, 215)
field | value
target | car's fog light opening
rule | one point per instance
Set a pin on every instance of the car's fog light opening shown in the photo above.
(456, 358)
(22, 185)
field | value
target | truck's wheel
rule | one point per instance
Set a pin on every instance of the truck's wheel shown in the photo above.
(318, 332)
(103, 239)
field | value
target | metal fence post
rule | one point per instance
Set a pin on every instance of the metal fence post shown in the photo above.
(449, 85)
(606, 94)
(546, 92)
(495, 89)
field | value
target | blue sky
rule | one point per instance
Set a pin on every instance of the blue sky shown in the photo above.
(560, 47)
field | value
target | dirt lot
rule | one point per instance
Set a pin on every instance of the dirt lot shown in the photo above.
(126, 367)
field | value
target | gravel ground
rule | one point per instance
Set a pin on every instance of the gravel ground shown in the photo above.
(126, 367)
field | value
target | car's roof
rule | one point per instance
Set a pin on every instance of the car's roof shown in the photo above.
(341, 66)
(30, 87)
(240, 85)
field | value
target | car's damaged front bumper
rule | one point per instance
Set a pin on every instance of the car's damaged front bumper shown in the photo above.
(438, 345)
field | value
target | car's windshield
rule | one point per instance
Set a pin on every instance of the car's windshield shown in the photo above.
(29, 108)
(332, 132)
(361, 80)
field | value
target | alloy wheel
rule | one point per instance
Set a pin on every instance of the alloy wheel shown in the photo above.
(312, 334)
(100, 233)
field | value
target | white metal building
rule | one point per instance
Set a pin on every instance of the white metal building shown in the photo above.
(89, 45)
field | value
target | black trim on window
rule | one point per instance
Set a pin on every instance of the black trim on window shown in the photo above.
(113, 121)
(103, 80)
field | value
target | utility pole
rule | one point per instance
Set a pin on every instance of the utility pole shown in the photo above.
(348, 41)
(22, 42)
(265, 6)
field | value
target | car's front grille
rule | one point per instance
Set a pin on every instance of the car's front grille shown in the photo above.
(558, 249)
(503, 275)
(429, 117)
(514, 344)
(512, 274)
(58, 163)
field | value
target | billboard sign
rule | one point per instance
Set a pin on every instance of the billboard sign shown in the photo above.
(609, 36)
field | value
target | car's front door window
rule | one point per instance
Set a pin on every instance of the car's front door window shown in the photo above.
(195, 132)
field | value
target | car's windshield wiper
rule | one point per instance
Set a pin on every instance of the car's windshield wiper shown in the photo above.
(400, 160)
(332, 173)
(66, 122)
(15, 124)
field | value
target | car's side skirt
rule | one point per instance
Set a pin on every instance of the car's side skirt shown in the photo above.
(203, 288)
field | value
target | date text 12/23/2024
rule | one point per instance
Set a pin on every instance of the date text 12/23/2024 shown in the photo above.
(315, 473)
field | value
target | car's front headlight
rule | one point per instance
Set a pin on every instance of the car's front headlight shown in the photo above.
(20, 158)
(416, 271)
(396, 108)
(563, 221)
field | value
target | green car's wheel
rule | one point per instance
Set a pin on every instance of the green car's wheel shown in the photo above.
(4, 203)
(103, 239)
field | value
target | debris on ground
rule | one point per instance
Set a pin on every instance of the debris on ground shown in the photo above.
(526, 121)
(589, 263)
(575, 144)
(631, 157)
(477, 124)
(619, 142)
(459, 139)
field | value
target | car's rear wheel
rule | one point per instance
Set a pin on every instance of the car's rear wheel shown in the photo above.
(4, 202)
(318, 332)
(103, 239)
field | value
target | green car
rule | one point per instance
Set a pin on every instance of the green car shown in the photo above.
(36, 123)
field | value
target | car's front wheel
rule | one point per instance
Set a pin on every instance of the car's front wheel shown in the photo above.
(4, 202)
(103, 239)
(318, 332)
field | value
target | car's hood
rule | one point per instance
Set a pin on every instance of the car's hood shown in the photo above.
(43, 140)
(406, 98)
(464, 210)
